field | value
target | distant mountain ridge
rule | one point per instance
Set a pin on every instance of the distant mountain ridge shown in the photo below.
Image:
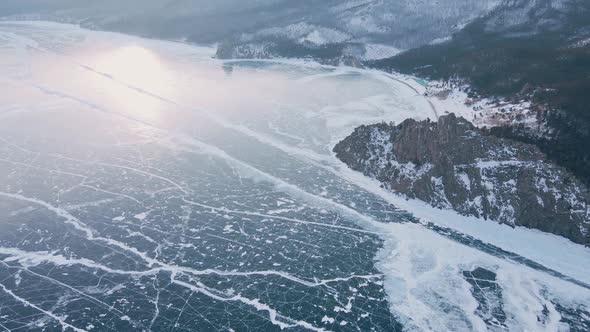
(248, 24)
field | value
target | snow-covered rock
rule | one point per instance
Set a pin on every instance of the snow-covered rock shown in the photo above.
(451, 164)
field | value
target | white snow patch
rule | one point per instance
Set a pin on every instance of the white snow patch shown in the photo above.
(142, 216)
(379, 51)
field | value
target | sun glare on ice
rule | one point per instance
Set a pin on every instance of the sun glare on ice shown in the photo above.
(139, 67)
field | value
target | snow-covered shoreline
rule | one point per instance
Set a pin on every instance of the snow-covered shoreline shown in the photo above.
(552, 251)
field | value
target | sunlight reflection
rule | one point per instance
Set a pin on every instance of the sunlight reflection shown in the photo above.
(132, 63)
(137, 67)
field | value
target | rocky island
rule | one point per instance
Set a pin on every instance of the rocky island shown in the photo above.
(451, 164)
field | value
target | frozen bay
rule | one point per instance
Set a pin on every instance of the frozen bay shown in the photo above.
(148, 186)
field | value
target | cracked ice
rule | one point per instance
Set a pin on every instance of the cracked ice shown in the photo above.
(146, 187)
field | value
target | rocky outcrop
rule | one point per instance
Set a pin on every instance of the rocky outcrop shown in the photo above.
(452, 164)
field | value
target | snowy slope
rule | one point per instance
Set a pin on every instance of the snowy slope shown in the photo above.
(399, 24)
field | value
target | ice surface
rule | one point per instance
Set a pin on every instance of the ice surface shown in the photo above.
(148, 186)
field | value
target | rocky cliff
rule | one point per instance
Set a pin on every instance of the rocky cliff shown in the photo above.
(452, 164)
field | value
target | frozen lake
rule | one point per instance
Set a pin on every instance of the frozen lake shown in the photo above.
(147, 186)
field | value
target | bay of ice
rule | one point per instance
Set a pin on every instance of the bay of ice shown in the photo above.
(147, 186)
